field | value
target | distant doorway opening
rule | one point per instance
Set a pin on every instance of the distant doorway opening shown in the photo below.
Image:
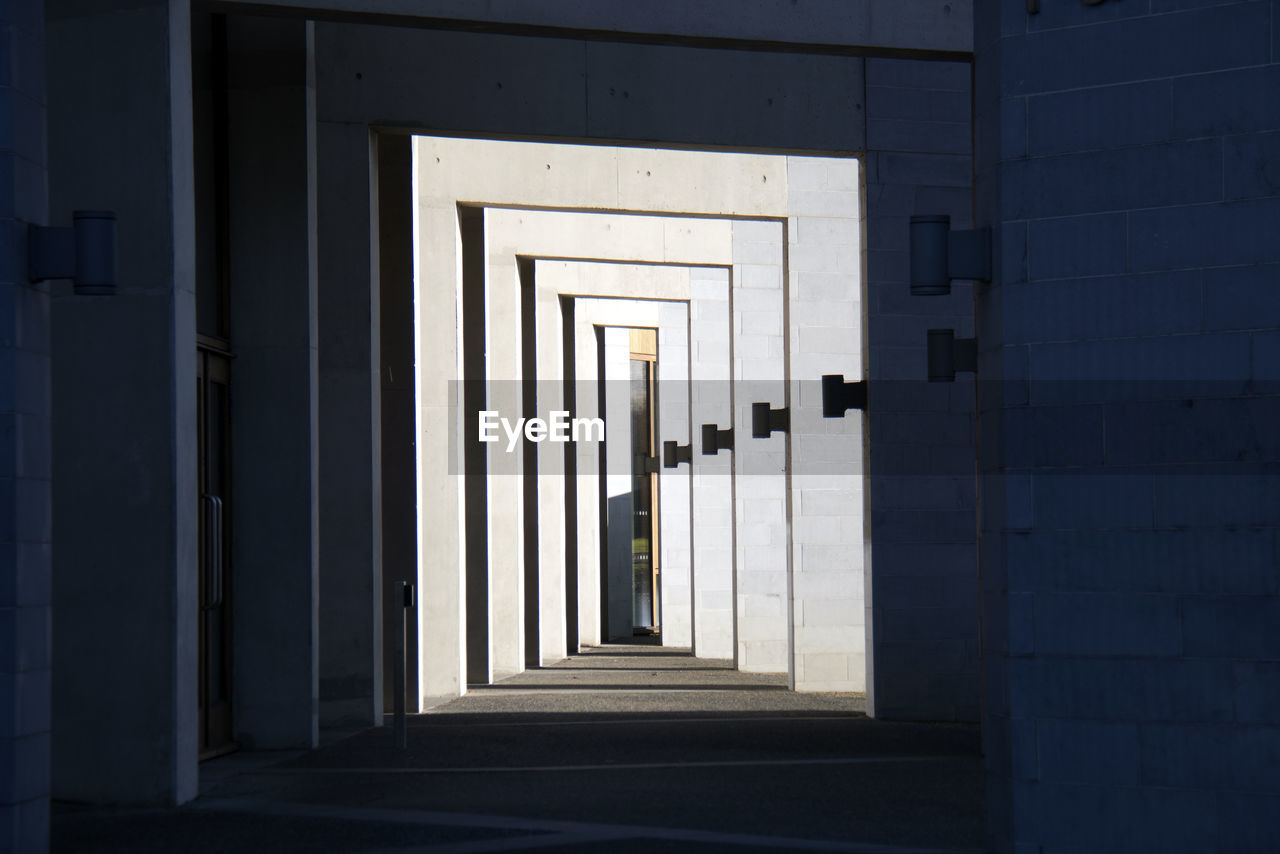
(646, 580)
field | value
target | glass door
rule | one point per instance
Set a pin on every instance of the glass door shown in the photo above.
(645, 568)
(214, 463)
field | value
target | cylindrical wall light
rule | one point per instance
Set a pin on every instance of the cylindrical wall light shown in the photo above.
(939, 255)
(84, 253)
(928, 239)
(95, 252)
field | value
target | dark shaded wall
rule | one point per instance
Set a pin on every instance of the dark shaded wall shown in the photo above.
(1130, 348)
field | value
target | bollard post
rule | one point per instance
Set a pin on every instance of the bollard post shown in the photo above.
(405, 599)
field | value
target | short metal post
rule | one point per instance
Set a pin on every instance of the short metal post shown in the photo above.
(405, 597)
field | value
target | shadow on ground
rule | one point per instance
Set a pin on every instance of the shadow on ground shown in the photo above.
(624, 749)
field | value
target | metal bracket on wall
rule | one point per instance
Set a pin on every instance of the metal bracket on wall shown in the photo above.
(645, 464)
(715, 440)
(766, 421)
(948, 354)
(838, 396)
(674, 454)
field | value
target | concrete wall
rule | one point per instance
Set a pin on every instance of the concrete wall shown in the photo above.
(760, 466)
(25, 466)
(825, 322)
(710, 373)
(1128, 450)
(826, 24)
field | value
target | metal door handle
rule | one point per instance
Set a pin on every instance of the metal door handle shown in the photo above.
(217, 543)
(213, 555)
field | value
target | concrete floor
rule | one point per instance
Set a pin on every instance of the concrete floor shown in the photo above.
(623, 748)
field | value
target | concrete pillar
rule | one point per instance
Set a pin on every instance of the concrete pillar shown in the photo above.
(399, 464)
(825, 317)
(272, 280)
(124, 416)
(710, 333)
(588, 485)
(440, 334)
(675, 497)
(921, 554)
(350, 434)
(477, 614)
(553, 596)
(759, 465)
(504, 367)
(25, 499)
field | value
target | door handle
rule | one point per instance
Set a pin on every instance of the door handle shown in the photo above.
(218, 559)
(213, 550)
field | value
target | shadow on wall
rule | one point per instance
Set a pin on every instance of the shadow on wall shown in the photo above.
(618, 586)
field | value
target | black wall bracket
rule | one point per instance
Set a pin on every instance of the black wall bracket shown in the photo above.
(645, 464)
(939, 255)
(839, 396)
(715, 440)
(674, 454)
(84, 252)
(766, 421)
(948, 354)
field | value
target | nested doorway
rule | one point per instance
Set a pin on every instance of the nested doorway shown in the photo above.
(646, 569)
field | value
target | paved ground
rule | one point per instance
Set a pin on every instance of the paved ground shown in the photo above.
(621, 749)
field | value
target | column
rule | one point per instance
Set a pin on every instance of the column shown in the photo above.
(124, 415)
(350, 435)
(274, 425)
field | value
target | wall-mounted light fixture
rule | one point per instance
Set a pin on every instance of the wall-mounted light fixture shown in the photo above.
(645, 464)
(715, 440)
(84, 252)
(948, 354)
(766, 421)
(939, 255)
(674, 454)
(839, 396)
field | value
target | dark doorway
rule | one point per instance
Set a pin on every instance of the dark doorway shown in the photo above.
(213, 407)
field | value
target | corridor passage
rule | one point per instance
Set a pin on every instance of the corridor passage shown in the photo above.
(624, 748)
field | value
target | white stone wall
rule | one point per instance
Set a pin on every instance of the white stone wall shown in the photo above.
(824, 269)
(710, 338)
(759, 374)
